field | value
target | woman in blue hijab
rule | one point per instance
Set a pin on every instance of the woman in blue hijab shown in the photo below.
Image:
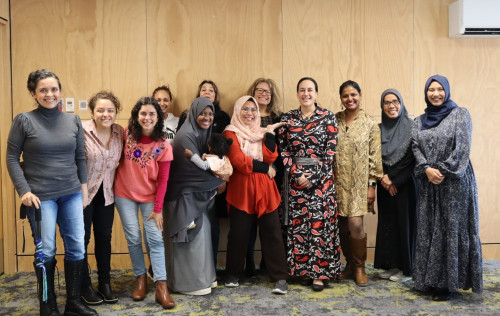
(448, 249)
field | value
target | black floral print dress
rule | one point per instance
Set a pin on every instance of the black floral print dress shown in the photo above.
(313, 244)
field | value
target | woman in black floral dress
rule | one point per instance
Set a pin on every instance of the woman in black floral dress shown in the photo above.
(308, 142)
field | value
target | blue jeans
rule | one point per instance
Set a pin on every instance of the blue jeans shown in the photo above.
(128, 211)
(67, 212)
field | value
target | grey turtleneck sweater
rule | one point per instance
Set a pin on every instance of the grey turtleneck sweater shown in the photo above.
(52, 146)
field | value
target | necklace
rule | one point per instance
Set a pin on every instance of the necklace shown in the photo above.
(307, 116)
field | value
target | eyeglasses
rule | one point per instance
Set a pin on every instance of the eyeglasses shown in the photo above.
(261, 91)
(249, 110)
(393, 102)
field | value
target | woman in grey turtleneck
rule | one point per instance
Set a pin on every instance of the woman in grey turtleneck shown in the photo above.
(53, 178)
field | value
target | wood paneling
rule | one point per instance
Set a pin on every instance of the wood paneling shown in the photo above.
(229, 42)
(4, 9)
(132, 46)
(7, 223)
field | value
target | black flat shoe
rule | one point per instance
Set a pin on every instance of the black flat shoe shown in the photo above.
(306, 282)
(90, 297)
(107, 293)
(317, 287)
(441, 295)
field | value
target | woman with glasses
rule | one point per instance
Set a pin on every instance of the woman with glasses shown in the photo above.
(266, 93)
(252, 194)
(358, 167)
(395, 247)
(308, 144)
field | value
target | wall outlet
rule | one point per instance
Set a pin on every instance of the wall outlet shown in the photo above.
(70, 105)
(82, 105)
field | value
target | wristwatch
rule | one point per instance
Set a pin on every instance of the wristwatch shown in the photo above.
(372, 184)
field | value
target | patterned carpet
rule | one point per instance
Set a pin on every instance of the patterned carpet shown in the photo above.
(253, 297)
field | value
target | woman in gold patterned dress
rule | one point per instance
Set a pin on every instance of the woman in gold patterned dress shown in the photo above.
(358, 168)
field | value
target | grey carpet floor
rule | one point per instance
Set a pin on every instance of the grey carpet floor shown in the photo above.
(253, 297)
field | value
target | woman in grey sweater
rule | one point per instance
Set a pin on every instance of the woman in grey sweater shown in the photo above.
(53, 177)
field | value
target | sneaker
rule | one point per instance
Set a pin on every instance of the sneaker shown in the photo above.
(214, 284)
(232, 282)
(280, 287)
(396, 277)
(388, 273)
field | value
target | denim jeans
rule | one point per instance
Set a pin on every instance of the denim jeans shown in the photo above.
(67, 212)
(128, 211)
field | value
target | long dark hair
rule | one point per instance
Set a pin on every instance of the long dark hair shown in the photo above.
(135, 129)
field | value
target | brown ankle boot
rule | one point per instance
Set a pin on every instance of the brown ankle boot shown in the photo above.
(162, 296)
(358, 249)
(344, 244)
(140, 288)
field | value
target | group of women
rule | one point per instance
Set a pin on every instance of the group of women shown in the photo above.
(308, 204)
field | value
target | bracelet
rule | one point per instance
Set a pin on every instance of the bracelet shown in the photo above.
(372, 184)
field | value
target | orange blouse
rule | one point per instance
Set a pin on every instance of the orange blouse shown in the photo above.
(252, 192)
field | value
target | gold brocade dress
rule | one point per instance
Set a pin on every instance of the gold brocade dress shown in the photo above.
(358, 161)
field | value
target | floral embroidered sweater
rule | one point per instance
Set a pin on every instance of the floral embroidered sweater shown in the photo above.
(142, 175)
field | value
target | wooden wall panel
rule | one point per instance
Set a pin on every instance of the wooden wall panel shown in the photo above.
(7, 227)
(471, 65)
(132, 46)
(321, 40)
(229, 42)
(4, 9)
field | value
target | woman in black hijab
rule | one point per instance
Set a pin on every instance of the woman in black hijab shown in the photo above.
(190, 265)
(396, 200)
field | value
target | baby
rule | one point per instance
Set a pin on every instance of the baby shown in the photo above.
(216, 160)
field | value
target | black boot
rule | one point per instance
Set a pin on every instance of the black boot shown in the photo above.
(74, 303)
(48, 308)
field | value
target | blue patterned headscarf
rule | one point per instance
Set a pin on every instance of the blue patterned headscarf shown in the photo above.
(435, 114)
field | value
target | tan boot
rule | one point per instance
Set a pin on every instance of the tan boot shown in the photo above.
(358, 249)
(162, 296)
(344, 244)
(140, 288)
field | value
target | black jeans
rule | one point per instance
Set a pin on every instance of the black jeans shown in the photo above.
(101, 217)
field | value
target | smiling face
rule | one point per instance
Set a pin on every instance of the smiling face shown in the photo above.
(208, 91)
(205, 118)
(104, 114)
(163, 99)
(147, 119)
(436, 94)
(306, 93)
(392, 106)
(47, 93)
(350, 98)
(248, 113)
(262, 94)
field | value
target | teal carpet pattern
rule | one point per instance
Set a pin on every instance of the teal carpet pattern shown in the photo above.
(254, 297)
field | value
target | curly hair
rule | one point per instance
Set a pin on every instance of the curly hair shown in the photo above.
(219, 144)
(104, 95)
(272, 107)
(135, 129)
(37, 75)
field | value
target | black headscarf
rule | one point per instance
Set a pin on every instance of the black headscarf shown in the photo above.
(396, 133)
(435, 114)
(185, 176)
